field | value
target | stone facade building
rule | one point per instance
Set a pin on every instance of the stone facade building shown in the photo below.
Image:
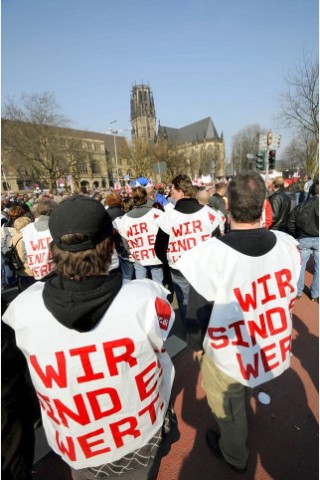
(96, 165)
(204, 149)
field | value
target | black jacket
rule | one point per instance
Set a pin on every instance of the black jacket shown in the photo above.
(217, 201)
(280, 204)
(303, 221)
(115, 212)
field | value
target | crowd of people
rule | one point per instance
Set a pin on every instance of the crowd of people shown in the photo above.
(84, 325)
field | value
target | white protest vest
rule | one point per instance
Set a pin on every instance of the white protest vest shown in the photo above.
(249, 332)
(37, 247)
(141, 235)
(103, 393)
(188, 230)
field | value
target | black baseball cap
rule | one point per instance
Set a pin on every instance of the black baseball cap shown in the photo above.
(83, 215)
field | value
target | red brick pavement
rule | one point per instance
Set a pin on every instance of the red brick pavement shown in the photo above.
(283, 436)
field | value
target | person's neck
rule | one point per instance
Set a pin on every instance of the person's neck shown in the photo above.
(244, 226)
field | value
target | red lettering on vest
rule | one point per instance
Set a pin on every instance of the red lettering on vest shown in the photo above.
(197, 226)
(83, 353)
(125, 344)
(268, 296)
(254, 329)
(131, 429)
(66, 449)
(249, 300)
(267, 358)
(248, 370)
(219, 341)
(151, 239)
(274, 314)
(51, 374)
(285, 347)
(150, 408)
(142, 382)
(81, 416)
(87, 447)
(39, 245)
(42, 270)
(187, 228)
(39, 257)
(47, 407)
(137, 229)
(115, 402)
(237, 330)
(283, 278)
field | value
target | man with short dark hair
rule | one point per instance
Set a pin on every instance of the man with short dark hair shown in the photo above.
(95, 351)
(217, 200)
(243, 286)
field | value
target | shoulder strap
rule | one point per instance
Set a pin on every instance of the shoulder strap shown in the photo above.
(17, 242)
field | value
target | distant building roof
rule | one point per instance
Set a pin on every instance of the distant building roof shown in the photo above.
(86, 135)
(198, 131)
(104, 137)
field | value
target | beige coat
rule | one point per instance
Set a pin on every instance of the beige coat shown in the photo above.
(15, 240)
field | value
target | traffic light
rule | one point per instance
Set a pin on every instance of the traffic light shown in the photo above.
(260, 161)
(272, 159)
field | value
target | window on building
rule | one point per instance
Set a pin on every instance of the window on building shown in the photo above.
(82, 167)
(94, 166)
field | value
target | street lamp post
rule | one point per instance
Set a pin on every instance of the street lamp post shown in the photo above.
(114, 132)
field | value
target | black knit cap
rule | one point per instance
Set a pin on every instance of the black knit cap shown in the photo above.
(80, 214)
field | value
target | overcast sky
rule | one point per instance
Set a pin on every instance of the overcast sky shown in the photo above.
(226, 59)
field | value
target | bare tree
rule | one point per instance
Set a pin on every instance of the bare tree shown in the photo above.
(245, 142)
(138, 156)
(173, 156)
(299, 109)
(33, 138)
(293, 157)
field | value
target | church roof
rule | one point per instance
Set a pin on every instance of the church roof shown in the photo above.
(197, 131)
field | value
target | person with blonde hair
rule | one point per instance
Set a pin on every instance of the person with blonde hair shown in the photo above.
(25, 275)
(8, 276)
(203, 197)
(280, 204)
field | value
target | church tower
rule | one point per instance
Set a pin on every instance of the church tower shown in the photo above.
(143, 115)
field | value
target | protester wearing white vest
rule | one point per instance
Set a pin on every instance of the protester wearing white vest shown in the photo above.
(181, 229)
(36, 239)
(243, 287)
(139, 228)
(96, 351)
